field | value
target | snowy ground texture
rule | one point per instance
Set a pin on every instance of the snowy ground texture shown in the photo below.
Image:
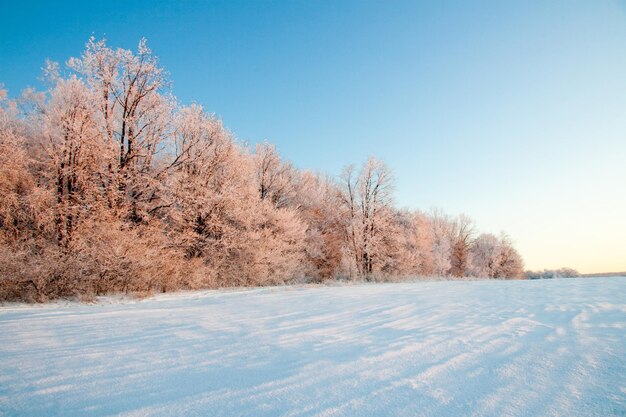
(485, 348)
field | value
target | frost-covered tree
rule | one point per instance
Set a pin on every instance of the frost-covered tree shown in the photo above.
(413, 245)
(21, 214)
(317, 201)
(273, 176)
(441, 246)
(495, 257)
(134, 113)
(366, 198)
(461, 237)
(73, 153)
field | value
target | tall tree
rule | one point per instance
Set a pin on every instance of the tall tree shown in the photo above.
(367, 200)
(134, 110)
(73, 150)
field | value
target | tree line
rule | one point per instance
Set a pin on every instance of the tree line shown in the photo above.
(564, 272)
(108, 184)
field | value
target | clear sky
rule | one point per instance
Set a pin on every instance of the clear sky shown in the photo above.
(513, 112)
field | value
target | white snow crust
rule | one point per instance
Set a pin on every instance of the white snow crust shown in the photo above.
(483, 348)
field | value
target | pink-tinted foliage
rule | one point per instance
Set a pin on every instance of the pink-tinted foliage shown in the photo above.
(108, 185)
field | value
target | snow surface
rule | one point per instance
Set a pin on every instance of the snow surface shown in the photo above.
(485, 348)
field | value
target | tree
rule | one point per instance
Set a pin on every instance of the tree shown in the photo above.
(242, 237)
(274, 177)
(16, 183)
(316, 199)
(73, 153)
(495, 257)
(461, 237)
(133, 113)
(208, 174)
(366, 198)
(413, 243)
(442, 246)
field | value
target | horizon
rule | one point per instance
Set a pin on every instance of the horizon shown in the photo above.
(512, 114)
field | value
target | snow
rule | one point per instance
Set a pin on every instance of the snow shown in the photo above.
(483, 348)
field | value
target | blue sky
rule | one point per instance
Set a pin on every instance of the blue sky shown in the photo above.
(512, 112)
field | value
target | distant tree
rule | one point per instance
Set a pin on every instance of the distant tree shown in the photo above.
(553, 273)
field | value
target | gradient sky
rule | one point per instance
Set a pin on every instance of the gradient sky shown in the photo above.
(513, 112)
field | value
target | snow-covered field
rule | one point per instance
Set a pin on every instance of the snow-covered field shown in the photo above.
(485, 348)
